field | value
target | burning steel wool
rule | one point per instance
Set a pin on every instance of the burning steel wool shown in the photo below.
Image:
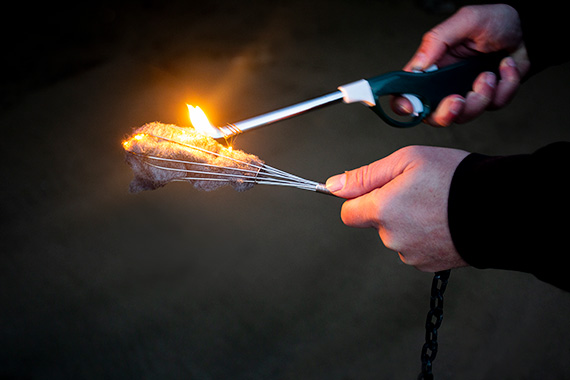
(161, 153)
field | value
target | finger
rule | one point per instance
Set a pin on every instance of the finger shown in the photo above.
(432, 48)
(447, 111)
(509, 83)
(429, 52)
(363, 180)
(361, 212)
(478, 100)
(441, 38)
(401, 106)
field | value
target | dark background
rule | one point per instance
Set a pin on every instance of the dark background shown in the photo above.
(267, 284)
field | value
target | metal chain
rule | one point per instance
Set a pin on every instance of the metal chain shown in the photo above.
(433, 322)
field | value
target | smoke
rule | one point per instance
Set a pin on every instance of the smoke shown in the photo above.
(161, 153)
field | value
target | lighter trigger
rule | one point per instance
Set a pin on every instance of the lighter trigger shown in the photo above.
(417, 105)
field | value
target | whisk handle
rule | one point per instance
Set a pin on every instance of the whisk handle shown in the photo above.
(322, 188)
(431, 87)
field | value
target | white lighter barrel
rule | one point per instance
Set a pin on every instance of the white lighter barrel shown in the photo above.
(358, 91)
(280, 114)
(361, 92)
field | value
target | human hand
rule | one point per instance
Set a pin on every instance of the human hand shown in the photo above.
(471, 31)
(404, 197)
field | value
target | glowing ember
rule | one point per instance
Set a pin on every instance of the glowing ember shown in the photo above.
(160, 153)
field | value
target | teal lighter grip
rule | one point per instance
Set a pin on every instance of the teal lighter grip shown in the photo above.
(431, 87)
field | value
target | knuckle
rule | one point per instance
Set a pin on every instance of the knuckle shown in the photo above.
(505, 93)
(410, 150)
(480, 100)
(432, 35)
(485, 83)
(414, 152)
(498, 103)
(441, 118)
(361, 177)
(468, 12)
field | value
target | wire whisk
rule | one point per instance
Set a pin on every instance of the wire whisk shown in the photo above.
(162, 153)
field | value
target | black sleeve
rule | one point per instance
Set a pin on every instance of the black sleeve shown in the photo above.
(544, 28)
(513, 212)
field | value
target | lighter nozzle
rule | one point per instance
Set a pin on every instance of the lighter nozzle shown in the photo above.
(224, 134)
(230, 130)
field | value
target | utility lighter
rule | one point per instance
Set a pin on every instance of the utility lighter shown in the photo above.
(425, 90)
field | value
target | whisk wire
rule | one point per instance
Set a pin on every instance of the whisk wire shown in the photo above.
(246, 172)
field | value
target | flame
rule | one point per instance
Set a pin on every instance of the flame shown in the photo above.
(200, 121)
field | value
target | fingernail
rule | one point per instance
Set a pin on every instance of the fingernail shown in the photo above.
(509, 61)
(490, 80)
(336, 182)
(419, 62)
(457, 106)
(403, 108)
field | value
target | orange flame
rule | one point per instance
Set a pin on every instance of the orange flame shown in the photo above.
(200, 121)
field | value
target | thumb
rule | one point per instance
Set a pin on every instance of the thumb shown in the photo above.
(363, 180)
(429, 53)
(444, 36)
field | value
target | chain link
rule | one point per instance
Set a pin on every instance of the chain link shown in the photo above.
(433, 322)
